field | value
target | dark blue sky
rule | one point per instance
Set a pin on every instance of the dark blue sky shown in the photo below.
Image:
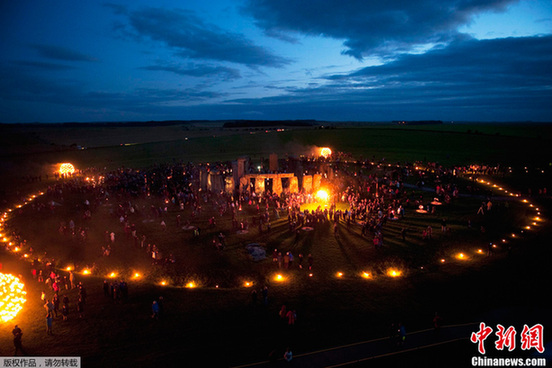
(477, 60)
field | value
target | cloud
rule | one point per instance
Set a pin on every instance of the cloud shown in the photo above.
(190, 37)
(513, 63)
(41, 65)
(61, 53)
(117, 9)
(193, 70)
(371, 28)
(501, 79)
(505, 79)
(20, 88)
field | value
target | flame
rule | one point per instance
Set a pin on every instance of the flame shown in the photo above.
(322, 195)
(12, 296)
(325, 152)
(66, 168)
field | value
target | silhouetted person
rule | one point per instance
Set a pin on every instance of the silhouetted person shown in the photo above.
(17, 335)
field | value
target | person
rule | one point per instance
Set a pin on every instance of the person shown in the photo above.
(155, 310)
(265, 295)
(80, 307)
(288, 355)
(283, 312)
(437, 323)
(56, 301)
(65, 311)
(17, 335)
(402, 334)
(82, 293)
(160, 306)
(290, 259)
(49, 306)
(106, 288)
(292, 317)
(49, 320)
(254, 297)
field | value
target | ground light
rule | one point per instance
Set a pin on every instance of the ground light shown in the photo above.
(461, 256)
(393, 272)
(12, 296)
(366, 275)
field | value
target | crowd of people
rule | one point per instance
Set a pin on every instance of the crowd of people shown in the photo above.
(372, 200)
(372, 194)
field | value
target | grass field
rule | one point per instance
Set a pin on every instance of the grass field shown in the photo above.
(216, 324)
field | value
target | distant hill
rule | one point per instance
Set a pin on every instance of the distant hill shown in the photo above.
(268, 123)
(417, 122)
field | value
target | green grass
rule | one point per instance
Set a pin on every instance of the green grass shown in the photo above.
(33, 150)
